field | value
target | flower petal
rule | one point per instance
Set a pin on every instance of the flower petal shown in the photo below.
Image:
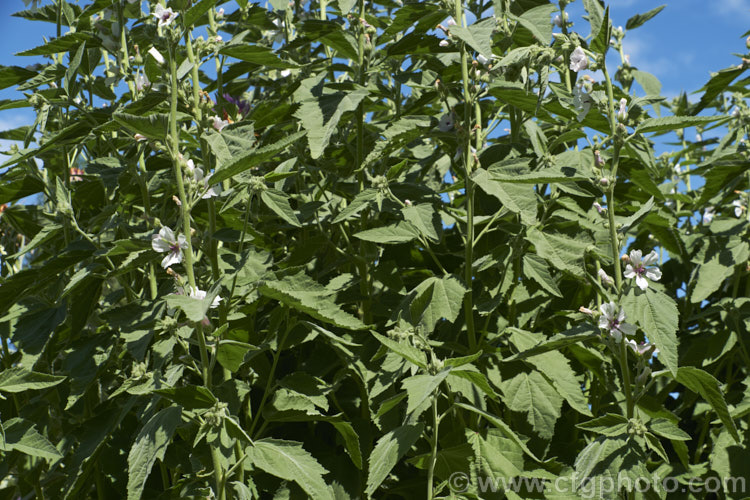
(653, 274)
(629, 271)
(641, 282)
(159, 244)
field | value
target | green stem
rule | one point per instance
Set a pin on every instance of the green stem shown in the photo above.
(613, 180)
(626, 376)
(269, 381)
(363, 268)
(175, 147)
(469, 186)
(433, 457)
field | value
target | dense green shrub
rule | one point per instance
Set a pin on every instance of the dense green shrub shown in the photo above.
(345, 251)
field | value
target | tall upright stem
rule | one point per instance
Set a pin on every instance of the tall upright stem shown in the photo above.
(469, 185)
(175, 147)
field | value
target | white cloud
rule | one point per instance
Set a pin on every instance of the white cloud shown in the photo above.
(733, 7)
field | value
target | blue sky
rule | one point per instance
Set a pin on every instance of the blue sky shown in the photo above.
(681, 46)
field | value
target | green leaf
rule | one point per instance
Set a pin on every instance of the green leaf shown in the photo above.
(555, 367)
(718, 83)
(424, 217)
(537, 21)
(596, 15)
(536, 268)
(435, 299)
(63, 43)
(478, 36)
(351, 441)
(359, 203)
(300, 292)
(190, 397)
(255, 54)
(155, 126)
(580, 333)
(278, 202)
(196, 11)
(193, 308)
(533, 394)
(254, 157)
(561, 251)
(290, 461)
(12, 75)
(20, 188)
(649, 82)
(517, 198)
(600, 43)
(520, 174)
(639, 19)
(150, 444)
(673, 123)
(642, 212)
(399, 232)
(606, 425)
(708, 388)
(420, 387)
(18, 379)
(406, 351)
(657, 315)
(21, 435)
(504, 428)
(668, 430)
(231, 353)
(388, 451)
(321, 110)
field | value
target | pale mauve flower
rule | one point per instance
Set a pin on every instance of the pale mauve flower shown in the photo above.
(578, 60)
(641, 268)
(165, 241)
(165, 16)
(612, 321)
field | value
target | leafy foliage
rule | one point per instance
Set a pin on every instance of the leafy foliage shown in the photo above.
(290, 251)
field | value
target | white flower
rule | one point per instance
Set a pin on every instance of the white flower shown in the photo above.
(166, 242)
(708, 215)
(196, 293)
(582, 102)
(141, 82)
(606, 279)
(446, 122)
(613, 321)
(639, 268)
(677, 169)
(218, 123)
(140, 137)
(285, 72)
(197, 174)
(156, 55)
(736, 112)
(451, 22)
(738, 208)
(220, 13)
(622, 114)
(586, 310)
(482, 60)
(642, 348)
(598, 207)
(558, 21)
(578, 60)
(165, 16)
(444, 43)
(698, 138)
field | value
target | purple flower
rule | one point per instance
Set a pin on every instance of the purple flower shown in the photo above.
(242, 105)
